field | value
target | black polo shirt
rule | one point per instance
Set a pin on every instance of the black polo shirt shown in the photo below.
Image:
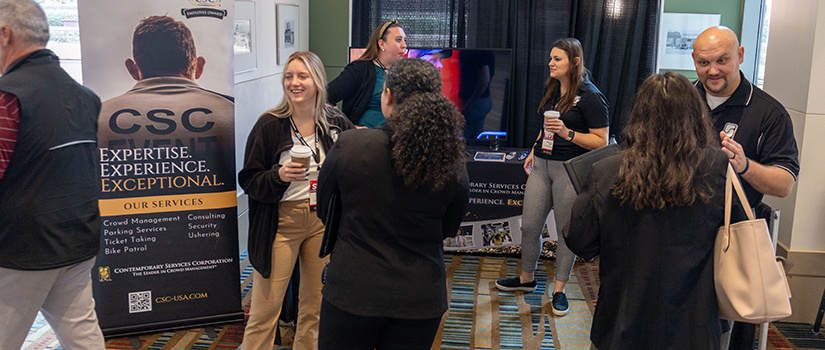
(589, 111)
(761, 125)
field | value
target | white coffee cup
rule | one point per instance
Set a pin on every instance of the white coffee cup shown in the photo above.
(301, 154)
(551, 115)
(548, 115)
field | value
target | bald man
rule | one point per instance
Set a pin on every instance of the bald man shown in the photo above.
(756, 131)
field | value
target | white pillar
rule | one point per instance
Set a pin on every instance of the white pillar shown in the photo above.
(795, 75)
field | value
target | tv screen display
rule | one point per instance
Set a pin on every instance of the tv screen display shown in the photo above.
(477, 81)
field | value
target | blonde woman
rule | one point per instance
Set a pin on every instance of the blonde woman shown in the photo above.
(282, 226)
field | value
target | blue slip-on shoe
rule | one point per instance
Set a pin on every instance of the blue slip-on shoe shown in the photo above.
(560, 306)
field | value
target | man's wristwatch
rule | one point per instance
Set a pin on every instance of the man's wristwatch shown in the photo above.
(570, 135)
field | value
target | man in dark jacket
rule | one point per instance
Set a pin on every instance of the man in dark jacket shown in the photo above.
(49, 218)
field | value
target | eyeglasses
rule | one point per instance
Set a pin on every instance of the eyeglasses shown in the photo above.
(385, 26)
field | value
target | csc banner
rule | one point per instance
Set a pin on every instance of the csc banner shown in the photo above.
(169, 242)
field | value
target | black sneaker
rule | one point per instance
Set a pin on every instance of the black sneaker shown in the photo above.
(560, 304)
(514, 284)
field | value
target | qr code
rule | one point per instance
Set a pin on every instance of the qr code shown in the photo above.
(140, 301)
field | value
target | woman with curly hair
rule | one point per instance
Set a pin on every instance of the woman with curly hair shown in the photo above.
(403, 189)
(652, 213)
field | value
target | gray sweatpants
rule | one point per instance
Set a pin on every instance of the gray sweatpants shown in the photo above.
(548, 187)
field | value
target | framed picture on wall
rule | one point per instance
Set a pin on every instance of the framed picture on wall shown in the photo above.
(676, 34)
(245, 34)
(287, 19)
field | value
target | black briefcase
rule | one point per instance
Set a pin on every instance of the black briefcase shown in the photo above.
(578, 167)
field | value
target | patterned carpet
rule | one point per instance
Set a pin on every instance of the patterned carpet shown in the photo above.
(480, 317)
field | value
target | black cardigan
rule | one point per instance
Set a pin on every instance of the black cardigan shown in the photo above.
(354, 86)
(259, 179)
(388, 259)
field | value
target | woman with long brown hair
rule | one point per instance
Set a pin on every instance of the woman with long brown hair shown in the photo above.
(361, 82)
(582, 126)
(403, 190)
(652, 213)
(283, 227)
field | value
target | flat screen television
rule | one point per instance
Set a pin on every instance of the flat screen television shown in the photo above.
(477, 81)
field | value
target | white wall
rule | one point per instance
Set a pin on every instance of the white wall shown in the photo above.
(794, 70)
(259, 90)
(795, 65)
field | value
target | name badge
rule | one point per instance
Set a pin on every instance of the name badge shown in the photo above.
(547, 141)
(313, 195)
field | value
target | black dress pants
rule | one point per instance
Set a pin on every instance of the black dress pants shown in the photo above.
(742, 336)
(341, 330)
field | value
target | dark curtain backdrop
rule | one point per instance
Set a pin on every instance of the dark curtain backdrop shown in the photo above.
(618, 37)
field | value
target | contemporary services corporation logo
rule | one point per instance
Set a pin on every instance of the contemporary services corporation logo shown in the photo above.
(104, 274)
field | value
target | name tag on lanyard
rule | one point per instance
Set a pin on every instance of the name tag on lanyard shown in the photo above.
(547, 141)
(313, 195)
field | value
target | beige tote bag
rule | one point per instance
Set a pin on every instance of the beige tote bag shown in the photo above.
(750, 284)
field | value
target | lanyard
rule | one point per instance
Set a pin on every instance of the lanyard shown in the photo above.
(315, 154)
(381, 64)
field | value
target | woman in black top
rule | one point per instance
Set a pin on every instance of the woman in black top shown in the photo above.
(403, 189)
(652, 214)
(361, 82)
(582, 127)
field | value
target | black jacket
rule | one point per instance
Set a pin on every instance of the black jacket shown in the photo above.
(354, 86)
(259, 179)
(657, 289)
(388, 259)
(49, 215)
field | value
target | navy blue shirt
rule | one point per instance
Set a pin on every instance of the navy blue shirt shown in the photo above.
(589, 111)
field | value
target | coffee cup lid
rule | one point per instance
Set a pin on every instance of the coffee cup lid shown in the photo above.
(300, 151)
(551, 113)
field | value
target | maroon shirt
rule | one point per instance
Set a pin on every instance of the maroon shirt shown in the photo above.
(9, 117)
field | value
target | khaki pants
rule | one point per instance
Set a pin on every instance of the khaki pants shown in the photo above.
(299, 236)
(63, 295)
